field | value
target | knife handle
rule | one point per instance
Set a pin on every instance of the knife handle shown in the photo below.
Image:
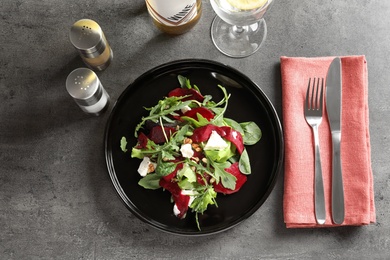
(338, 210)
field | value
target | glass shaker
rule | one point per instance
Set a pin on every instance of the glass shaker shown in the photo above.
(88, 38)
(87, 91)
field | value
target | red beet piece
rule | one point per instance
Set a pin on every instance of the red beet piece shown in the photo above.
(202, 134)
(234, 137)
(203, 178)
(192, 94)
(206, 113)
(241, 179)
(181, 200)
(172, 175)
(142, 141)
(157, 135)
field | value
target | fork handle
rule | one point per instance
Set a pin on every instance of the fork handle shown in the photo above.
(337, 181)
(319, 197)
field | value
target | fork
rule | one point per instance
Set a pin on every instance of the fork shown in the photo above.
(313, 115)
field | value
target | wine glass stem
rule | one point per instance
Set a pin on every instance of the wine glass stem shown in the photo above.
(239, 29)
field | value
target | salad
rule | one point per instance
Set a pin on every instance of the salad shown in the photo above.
(189, 148)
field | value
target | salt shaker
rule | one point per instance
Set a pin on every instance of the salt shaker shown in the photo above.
(87, 91)
(88, 38)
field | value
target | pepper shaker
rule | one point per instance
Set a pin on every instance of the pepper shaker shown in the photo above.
(88, 38)
(87, 91)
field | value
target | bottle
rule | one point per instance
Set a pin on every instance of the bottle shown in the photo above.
(175, 16)
(88, 38)
(87, 91)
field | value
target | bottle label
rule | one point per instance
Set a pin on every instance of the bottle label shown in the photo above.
(172, 12)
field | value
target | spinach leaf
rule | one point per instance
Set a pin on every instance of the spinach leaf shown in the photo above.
(150, 181)
(165, 168)
(244, 164)
(252, 133)
(234, 124)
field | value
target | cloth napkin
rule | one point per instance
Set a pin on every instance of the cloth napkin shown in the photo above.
(298, 200)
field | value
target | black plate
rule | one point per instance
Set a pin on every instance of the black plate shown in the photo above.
(247, 103)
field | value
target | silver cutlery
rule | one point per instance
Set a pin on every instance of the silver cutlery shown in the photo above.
(333, 108)
(313, 115)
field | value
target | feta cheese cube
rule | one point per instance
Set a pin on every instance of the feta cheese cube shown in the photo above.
(185, 109)
(186, 150)
(215, 142)
(144, 166)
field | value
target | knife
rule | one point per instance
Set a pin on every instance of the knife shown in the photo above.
(333, 108)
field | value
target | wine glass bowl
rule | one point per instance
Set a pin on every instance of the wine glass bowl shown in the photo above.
(239, 32)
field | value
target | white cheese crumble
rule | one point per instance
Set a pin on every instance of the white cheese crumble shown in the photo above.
(215, 142)
(186, 150)
(185, 109)
(144, 166)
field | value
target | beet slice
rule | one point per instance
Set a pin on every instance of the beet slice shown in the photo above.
(181, 200)
(205, 112)
(234, 137)
(172, 175)
(142, 141)
(202, 134)
(156, 133)
(192, 94)
(241, 179)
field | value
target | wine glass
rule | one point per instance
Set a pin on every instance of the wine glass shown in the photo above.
(239, 29)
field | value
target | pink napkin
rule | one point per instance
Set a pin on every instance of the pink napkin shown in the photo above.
(298, 201)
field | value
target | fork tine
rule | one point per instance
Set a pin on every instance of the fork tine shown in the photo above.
(307, 100)
(313, 102)
(321, 93)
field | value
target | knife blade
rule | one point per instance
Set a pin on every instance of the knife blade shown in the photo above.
(333, 108)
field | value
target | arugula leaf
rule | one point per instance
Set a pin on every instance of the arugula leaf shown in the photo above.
(197, 123)
(201, 169)
(228, 180)
(150, 181)
(218, 119)
(183, 81)
(123, 144)
(165, 107)
(204, 199)
(185, 184)
(151, 150)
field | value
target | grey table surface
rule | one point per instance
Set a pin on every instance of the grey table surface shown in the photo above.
(56, 198)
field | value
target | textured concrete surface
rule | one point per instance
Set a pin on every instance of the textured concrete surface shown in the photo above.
(56, 199)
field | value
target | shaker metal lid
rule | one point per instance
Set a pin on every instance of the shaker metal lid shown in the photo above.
(82, 84)
(87, 36)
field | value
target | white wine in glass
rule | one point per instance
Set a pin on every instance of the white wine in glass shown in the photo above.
(239, 29)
